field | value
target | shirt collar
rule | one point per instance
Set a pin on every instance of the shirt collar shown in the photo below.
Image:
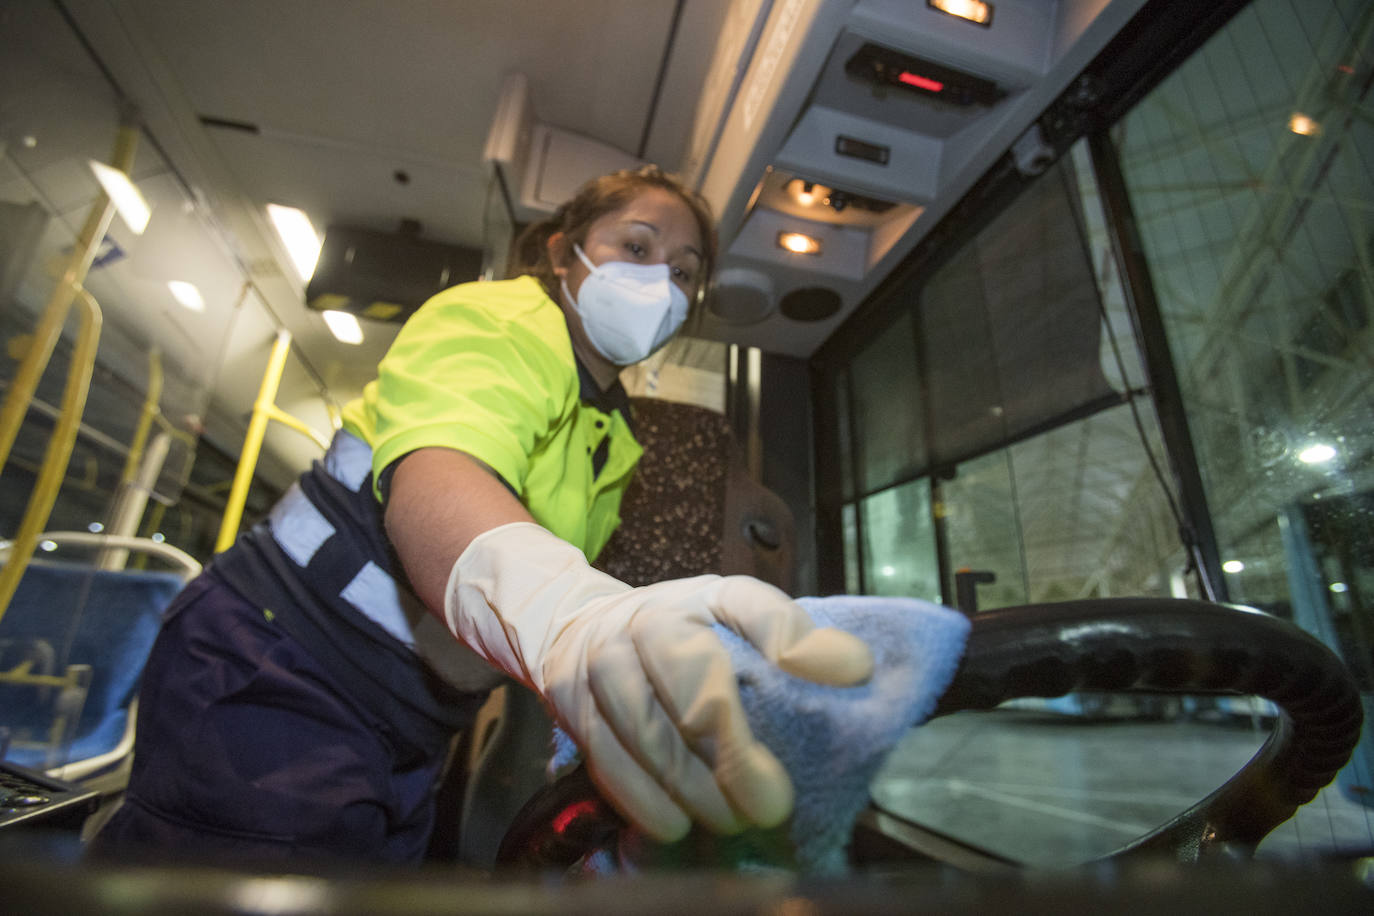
(612, 399)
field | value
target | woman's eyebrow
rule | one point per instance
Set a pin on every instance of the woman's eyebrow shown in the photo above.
(686, 249)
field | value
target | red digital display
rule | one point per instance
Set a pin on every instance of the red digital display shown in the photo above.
(921, 82)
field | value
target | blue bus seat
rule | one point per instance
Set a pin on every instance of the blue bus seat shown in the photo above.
(65, 615)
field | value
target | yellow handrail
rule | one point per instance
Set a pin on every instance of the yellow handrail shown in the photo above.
(264, 409)
(59, 451)
(45, 336)
(21, 390)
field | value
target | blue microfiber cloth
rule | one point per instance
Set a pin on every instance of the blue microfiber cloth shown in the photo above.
(832, 740)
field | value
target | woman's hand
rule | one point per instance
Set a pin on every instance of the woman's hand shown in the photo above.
(637, 677)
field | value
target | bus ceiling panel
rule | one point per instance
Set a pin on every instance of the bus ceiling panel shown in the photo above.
(354, 184)
(417, 76)
(541, 166)
(879, 115)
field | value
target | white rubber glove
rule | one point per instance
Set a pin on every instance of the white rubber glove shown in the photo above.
(638, 679)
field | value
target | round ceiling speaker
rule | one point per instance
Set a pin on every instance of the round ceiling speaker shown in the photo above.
(742, 296)
(810, 303)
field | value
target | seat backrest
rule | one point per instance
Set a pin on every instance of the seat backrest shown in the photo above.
(693, 508)
(81, 616)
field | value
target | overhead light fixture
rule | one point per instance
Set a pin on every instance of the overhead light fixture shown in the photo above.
(1340, 588)
(799, 243)
(1302, 125)
(129, 203)
(1233, 566)
(187, 295)
(344, 327)
(970, 10)
(298, 235)
(1317, 454)
(805, 193)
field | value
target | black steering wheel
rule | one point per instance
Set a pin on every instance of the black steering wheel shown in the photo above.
(1048, 650)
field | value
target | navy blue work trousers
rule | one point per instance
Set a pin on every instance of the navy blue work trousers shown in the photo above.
(247, 749)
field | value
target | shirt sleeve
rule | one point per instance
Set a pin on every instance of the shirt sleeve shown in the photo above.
(478, 377)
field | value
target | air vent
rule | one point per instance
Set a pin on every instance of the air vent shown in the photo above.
(742, 296)
(812, 303)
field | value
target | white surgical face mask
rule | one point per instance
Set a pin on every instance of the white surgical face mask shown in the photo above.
(628, 310)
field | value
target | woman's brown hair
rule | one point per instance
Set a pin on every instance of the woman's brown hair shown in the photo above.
(596, 198)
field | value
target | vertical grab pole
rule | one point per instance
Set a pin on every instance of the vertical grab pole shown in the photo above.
(151, 408)
(59, 450)
(139, 476)
(263, 410)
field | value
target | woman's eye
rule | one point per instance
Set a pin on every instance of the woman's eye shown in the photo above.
(635, 249)
(682, 275)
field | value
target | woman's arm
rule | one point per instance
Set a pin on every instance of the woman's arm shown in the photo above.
(637, 677)
(440, 499)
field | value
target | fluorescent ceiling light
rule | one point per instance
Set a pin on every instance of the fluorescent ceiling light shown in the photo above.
(129, 203)
(972, 10)
(187, 295)
(1317, 454)
(301, 241)
(1233, 566)
(344, 326)
(1339, 588)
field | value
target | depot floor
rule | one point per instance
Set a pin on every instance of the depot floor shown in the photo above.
(1053, 790)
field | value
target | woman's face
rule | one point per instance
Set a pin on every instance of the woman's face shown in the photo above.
(656, 227)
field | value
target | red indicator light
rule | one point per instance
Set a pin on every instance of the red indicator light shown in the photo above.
(565, 818)
(921, 82)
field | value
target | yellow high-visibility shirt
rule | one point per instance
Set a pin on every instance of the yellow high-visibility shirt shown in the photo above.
(488, 369)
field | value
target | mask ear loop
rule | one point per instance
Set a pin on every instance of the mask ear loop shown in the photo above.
(577, 250)
(582, 255)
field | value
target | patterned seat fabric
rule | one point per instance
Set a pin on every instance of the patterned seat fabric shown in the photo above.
(692, 507)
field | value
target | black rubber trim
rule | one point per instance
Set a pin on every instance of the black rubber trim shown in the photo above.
(1117, 645)
(1178, 645)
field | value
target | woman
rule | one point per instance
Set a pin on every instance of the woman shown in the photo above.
(304, 690)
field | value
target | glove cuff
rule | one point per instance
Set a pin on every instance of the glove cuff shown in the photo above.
(514, 590)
